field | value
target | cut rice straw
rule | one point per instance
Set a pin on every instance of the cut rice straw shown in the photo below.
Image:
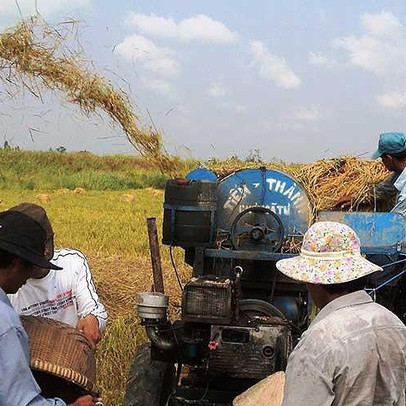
(325, 181)
(328, 180)
(34, 51)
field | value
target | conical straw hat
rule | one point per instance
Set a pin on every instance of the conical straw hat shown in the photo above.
(268, 392)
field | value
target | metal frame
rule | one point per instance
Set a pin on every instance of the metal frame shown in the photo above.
(175, 208)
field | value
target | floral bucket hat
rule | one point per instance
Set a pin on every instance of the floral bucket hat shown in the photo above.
(330, 254)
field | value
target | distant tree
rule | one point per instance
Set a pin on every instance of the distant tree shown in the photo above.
(254, 156)
(60, 149)
(7, 145)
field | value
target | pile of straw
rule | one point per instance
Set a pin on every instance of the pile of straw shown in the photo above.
(325, 181)
(328, 180)
(226, 167)
(34, 52)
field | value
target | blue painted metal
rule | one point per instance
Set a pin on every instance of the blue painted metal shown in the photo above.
(380, 233)
(202, 174)
(271, 189)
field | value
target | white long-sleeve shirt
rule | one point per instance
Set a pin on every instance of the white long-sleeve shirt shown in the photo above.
(65, 295)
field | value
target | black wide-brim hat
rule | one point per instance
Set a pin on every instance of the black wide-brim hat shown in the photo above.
(24, 237)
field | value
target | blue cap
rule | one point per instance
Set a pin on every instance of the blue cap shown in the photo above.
(390, 143)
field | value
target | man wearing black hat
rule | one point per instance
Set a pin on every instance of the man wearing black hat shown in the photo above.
(68, 296)
(22, 245)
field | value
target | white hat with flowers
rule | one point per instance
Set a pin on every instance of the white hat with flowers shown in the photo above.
(330, 254)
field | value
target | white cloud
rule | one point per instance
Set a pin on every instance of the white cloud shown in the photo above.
(319, 59)
(383, 24)
(393, 100)
(311, 113)
(273, 67)
(156, 59)
(159, 86)
(10, 14)
(234, 107)
(217, 89)
(45, 7)
(199, 27)
(240, 108)
(181, 116)
(382, 47)
(301, 118)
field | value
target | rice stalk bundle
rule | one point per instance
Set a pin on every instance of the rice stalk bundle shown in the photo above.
(325, 181)
(227, 167)
(35, 52)
(328, 180)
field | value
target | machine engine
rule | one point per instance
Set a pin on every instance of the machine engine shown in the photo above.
(240, 316)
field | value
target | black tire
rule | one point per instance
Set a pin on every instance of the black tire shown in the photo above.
(149, 383)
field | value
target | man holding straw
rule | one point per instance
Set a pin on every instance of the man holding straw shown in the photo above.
(354, 352)
(392, 151)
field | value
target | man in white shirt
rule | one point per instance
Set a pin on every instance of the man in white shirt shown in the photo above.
(392, 151)
(354, 352)
(68, 295)
(22, 243)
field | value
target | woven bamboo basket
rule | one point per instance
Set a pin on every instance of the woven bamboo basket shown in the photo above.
(268, 392)
(61, 359)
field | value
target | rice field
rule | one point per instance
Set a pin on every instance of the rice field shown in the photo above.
(110, 228)
(101, 210)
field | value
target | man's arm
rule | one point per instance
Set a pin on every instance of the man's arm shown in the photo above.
(381, 192)
(384, 190)
(92, 314)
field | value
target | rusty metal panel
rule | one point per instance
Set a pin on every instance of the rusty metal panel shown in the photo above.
(247, 352)
(207, 301)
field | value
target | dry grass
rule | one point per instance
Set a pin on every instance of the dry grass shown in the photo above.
(325, 181)
(226, 167)
(328, 180)
(112, 234)
(34, 55)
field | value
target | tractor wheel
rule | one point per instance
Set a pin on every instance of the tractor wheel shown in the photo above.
(149, 383)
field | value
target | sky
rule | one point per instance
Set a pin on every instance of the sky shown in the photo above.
(296, 80)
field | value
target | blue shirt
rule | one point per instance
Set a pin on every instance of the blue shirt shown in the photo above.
(17, 384)
(400, 185)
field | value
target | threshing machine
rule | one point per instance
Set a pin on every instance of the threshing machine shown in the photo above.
(240, 317)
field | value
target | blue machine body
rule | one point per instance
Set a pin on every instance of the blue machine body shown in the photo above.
(380, 233)
(202, 174)
(266, 188)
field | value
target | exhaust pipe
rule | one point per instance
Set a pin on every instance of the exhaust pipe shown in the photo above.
(152, 309)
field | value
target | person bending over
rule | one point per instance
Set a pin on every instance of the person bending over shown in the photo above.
(22, 245)
(68, 295)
